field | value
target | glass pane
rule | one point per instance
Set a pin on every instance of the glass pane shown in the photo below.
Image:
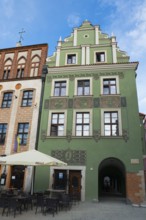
(114, 117)
(80, 91)
(86, 91)
(102, 57)
(61, 121)
(24, 103)
(107, 130)
(30, 102)
(87, 83)
(26, 128)
(85, 133)
(63, 91)
(56, 92)
(105, 82)
(61, 116)
(79, 128)
(106, 90)
(63, 84)
(74, 59)
(57, 84)
(113, 89)
(78, 133)
(112, 81)
(80, 83)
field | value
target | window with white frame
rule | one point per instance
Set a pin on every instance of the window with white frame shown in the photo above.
(99, 57)
(57, 124)
(109, 85)
(82, 124)
(71, 58)
(59, 88)
(111, 123)
(83, 86)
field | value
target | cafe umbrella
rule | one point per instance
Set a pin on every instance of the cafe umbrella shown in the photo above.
(31, 158)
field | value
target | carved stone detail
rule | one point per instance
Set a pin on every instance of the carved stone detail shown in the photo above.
(83, 102)
(110, 102)
(69, 136)
(58, 103)
(125, 135)
(71, 157)
(43, 135)
(96, 135)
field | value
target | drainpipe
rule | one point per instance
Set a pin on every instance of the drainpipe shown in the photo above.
(43, 77)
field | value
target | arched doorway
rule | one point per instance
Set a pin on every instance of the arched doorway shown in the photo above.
(111, 179)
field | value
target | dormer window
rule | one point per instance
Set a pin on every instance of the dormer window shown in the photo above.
(71, 59)
(100, 57)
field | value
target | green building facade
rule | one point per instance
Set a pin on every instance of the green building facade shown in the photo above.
(90, 119)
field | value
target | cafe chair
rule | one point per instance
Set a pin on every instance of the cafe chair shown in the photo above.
(51, 206)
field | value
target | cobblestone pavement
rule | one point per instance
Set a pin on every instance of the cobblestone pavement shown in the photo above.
(104, 210)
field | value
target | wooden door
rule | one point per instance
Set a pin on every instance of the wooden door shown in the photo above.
(75, 183)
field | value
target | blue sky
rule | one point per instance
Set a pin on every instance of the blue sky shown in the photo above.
(44, 21)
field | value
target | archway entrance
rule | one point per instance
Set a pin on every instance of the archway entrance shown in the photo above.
(111, 179)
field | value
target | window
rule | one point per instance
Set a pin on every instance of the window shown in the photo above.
(27, 98)
(3, 129)
(7, 99)
(6, 74)
(100, 57)
(60, 88)
(111, 123)
(20, 73)
(109, 86)
(83, 87)
(57, 124)
(82, 124)
(23, 133)
(71, 59)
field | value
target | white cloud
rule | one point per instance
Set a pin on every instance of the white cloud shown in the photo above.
(73, 20)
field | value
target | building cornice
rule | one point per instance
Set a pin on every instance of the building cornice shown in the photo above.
(94, 67)
(11, 49)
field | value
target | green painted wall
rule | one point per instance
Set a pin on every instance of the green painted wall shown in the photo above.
(103, 147)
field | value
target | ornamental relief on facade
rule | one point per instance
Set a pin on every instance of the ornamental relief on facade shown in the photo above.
(58, 103)
(110, 102)
(84, 102)
(71, 157)
(72, 76)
